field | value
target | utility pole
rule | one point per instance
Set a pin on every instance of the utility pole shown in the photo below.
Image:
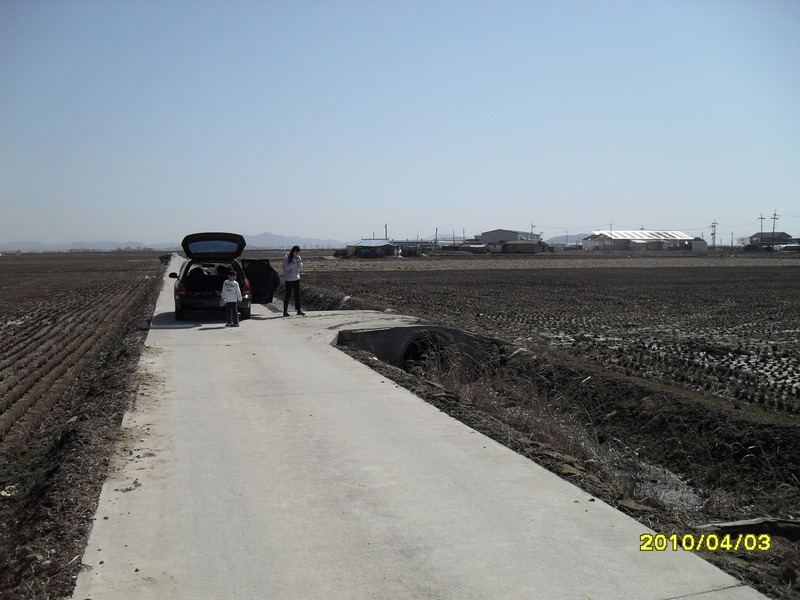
(761, 235)
(386, 231)
(714, 234)
(774, 218)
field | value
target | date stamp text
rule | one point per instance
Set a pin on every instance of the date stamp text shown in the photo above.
(713, 542)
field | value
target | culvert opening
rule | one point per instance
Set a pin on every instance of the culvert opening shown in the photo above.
(421, 346)
(425, 349)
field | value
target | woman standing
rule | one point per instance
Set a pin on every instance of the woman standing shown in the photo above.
(292, 265)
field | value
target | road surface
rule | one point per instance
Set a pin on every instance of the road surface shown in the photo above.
(262, 463)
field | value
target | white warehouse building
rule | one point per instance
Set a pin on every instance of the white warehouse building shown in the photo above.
(641, 239)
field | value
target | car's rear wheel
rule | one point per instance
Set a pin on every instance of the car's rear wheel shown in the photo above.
(180, 315)
(245, 313)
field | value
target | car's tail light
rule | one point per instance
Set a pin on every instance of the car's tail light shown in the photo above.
(181, 288)
(245, 285)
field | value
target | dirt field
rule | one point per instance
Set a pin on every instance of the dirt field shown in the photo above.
(670, 387)
(666, 386)
(728, 327)
(71, 330)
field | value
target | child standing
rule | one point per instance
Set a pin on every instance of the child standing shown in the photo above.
(232, 296)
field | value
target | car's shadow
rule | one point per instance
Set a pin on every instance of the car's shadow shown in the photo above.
(204, 320)
(166, 320)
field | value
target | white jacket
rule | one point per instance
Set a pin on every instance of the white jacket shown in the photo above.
(231, 291)
(292, 268)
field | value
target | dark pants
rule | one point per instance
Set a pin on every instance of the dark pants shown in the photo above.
(291, 287)
(233, 312)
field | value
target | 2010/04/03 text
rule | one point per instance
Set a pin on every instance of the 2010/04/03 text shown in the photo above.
(712, 542)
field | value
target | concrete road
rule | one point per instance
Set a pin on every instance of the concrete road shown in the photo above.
(261, 462)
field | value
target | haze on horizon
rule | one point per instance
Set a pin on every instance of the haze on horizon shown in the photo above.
(145, 121)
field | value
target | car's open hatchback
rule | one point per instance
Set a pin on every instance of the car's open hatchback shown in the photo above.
(213, 246)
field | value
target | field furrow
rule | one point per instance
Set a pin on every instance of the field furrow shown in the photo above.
(731, 332)
(43, 350)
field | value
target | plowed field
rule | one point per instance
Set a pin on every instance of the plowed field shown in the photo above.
(684, 367)
(731, 329)
(683, 372)
(71, 330)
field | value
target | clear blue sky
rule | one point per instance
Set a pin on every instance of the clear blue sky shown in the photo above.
(146, 120)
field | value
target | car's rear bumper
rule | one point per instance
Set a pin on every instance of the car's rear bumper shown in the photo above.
(184, 302)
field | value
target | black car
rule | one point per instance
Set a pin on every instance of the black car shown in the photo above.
(210, 256)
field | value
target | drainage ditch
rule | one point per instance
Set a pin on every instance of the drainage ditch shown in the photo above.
(408, 346)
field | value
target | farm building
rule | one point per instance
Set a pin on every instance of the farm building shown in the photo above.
(641, 240)
(768, 238)
(519, 247)
(471, 248)
(698, 245)
(496, 236)
(414, 247)
(373, 249)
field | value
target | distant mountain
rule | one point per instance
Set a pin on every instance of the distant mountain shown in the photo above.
(263, 240)
(26, 247)
(271, 240)
(103, 246)
(576, 238)
(33, 246)
(173, 246)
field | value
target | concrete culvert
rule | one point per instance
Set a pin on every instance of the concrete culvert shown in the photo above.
(406, 347)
